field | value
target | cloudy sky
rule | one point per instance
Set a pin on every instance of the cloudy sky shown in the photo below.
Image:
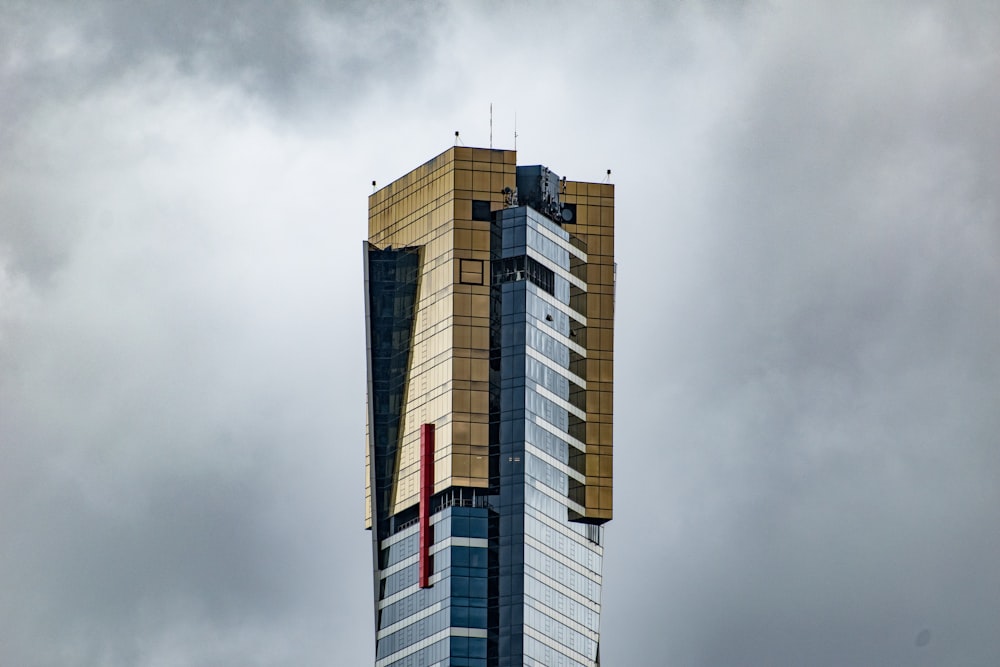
(808, 326)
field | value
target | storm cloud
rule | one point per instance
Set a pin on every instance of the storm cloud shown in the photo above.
(808, 331)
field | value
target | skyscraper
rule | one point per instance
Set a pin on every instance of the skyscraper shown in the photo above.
(489, 293)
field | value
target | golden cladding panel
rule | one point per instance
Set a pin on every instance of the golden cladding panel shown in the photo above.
(432, 207)
(595, 227)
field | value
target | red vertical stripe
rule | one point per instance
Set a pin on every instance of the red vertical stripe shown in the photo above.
(426, 491)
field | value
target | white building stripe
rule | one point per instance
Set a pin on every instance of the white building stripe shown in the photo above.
(410, 620)
(561, 242)
(548, 363)
(424, 643)
(409, 590)
(555, 268)
(479, 542)
(563, 588)
(556, 303)
(552, 461)
(553, 644)
(568, 562)
(401, 565)
(554, 430)
(563, 529)
(561, 617)
(555, 495)
(561, 402)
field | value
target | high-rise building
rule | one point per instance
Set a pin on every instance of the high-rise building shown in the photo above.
(489, 293)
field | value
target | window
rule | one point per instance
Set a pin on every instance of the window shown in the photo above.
(470, 271)
(481, 210)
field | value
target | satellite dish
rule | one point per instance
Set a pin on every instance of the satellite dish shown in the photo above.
(567, 214)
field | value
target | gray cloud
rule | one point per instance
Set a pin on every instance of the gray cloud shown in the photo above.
(274, 51)
(826, 356)
(807, 373)
(302, 61)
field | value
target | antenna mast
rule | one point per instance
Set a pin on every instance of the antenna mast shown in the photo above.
(491, 125)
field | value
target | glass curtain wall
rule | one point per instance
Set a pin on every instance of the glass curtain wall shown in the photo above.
(549, 568)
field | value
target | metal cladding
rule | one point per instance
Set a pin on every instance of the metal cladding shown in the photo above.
(490, 319)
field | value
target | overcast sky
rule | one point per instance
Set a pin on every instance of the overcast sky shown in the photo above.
(808, 316)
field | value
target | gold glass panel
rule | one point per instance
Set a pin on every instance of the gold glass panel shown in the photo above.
(449, 367)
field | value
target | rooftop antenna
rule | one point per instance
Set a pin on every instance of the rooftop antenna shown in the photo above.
(457, 140)
(373, 186)
(607, 179)
(491, 125)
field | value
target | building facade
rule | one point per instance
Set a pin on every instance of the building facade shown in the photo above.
(489, 293)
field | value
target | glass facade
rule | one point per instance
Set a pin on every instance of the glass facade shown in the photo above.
(445, 623)
(549, 568)
(490, 322)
